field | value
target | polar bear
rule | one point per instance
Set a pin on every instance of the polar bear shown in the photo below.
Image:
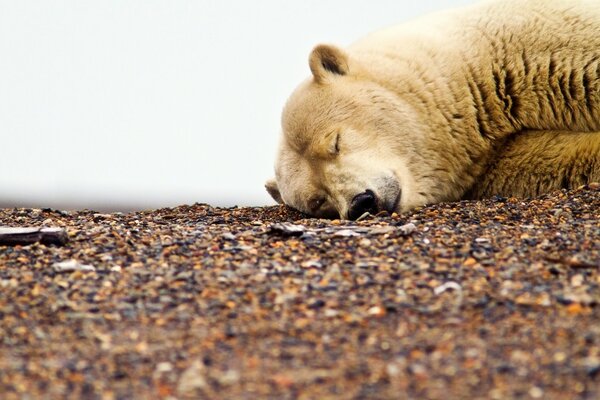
(502, 97)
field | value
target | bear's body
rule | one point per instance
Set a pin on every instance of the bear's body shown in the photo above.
(499, 98)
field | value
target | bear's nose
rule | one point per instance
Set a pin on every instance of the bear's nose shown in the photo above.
(362, 203)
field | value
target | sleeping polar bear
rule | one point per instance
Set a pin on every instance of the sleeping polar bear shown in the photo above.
(498, 98)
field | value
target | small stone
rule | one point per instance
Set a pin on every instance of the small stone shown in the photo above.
(287, 229)
(559, 357)
(315, 304)
(346, 233)
(11, 236)
(592, 367)
(365, 243)
(580, 261)
(393, 370)
(469, 262)
(331, 313)
(447, 286)
(536, 392)
(417, 369)
(72, 266)
(376, 311)
(312, 264)
(164, 367)
(229, 377)
(382, 230)
(228, 236)
(407, 229)
(577, 280)
(192, 379)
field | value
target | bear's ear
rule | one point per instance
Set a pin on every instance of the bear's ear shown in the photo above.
(273, 190)
(326, 60)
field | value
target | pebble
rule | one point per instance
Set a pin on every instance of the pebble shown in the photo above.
(447, 286)
(192, 379)
(262, 302)
(407, 229)
(346, 233)
(71, 266)
(287, 229)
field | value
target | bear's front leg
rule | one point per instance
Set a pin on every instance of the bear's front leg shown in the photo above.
(532, 163)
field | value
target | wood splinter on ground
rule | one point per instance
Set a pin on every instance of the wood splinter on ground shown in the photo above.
(10, 236)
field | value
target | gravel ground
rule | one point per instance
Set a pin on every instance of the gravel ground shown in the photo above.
(492, 299)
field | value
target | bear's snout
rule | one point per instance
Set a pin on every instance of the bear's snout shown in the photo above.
(362, 203)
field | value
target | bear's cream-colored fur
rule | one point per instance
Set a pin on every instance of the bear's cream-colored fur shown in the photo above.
(500, 98)
(537, 162)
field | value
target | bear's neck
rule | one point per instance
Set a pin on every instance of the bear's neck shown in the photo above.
(452, 125)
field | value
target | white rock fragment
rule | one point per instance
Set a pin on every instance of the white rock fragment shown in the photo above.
(287, 229)
(365, 243)
(163, 367)
(312, 264)
(536, 392)
(228, 236)
(346, 233)
(407, 229)
(382, 230)
(392, 370)
(11, 236)
(331, 313)
(577, 280)
(72, 266)
(376, 310)
(229, 377)
(192, 379)
(12, 283)
(447, 286)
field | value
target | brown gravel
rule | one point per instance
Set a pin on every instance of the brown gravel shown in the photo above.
(491, 299)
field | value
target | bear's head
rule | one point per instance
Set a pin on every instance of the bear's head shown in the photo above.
(348, 143)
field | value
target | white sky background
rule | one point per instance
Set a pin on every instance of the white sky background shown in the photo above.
(112, 104)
